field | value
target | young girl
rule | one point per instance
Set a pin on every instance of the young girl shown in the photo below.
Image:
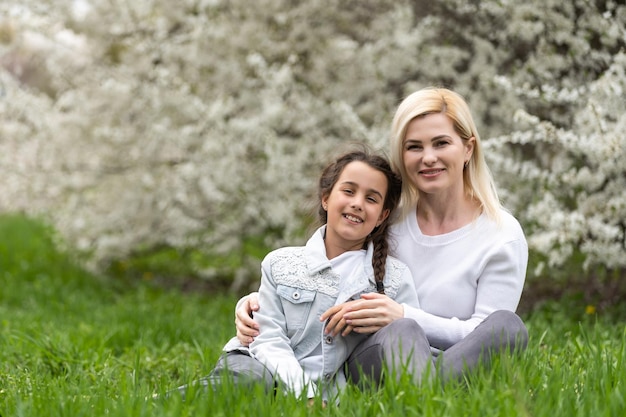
(344, 258)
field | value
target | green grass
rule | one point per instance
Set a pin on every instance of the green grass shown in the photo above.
(74, 344)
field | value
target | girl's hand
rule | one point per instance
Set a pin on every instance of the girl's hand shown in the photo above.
(367, 315)
(247, 329)
(336, 322)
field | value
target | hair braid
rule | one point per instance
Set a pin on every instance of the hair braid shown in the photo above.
(379, 259)
(380, 236)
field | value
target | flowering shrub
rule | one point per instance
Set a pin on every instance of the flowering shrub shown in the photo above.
(569, 187)
(138, 125)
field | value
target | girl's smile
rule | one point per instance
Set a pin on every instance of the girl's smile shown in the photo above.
(353, 219)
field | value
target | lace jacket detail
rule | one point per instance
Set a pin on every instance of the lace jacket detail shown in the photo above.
(393, 277)
(289, 268)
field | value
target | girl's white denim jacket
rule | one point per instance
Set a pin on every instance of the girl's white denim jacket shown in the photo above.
(297, 286)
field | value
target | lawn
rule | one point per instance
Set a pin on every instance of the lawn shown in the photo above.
(75, 344)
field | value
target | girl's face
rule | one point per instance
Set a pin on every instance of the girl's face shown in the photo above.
(434, 154)
(354, 206)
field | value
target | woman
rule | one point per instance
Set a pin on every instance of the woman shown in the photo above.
(467, 255)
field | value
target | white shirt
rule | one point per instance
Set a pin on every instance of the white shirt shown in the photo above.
(463, 276)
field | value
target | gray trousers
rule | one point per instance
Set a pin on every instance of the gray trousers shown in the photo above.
(402, 348)
(240, 369)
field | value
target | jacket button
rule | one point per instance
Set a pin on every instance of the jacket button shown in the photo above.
(328, 340)
(296, 295)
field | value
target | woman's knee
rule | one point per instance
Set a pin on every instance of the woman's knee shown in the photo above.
(511, 328)
(393, 343)
(400, 332)
(406, 349)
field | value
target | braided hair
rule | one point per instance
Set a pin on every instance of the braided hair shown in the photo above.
(379, 236)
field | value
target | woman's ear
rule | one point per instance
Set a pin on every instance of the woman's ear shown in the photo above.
(469, 148)
(325, 203)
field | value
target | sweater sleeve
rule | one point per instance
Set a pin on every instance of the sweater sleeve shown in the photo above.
(272, 346)
(499, 287)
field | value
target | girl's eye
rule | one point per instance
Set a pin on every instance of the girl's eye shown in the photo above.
(348, 191)
(372, 200)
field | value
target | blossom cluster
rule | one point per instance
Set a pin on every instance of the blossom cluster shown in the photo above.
(134, 125)
(570, 189)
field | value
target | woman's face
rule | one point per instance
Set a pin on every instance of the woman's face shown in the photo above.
(434, 154)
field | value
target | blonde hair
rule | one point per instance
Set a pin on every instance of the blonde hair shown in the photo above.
(477, 179)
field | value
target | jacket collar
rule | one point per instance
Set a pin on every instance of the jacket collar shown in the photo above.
(316, 260)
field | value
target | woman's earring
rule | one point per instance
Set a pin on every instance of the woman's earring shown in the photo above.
(465, 164)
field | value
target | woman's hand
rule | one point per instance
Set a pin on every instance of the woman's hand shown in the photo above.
(247, 328)
(367, 315)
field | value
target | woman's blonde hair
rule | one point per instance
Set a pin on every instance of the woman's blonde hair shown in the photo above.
(477, 179)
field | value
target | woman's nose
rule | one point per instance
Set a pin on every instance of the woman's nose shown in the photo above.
(429, 156)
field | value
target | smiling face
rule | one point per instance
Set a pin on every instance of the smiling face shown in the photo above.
(434, 155)
(354, 207)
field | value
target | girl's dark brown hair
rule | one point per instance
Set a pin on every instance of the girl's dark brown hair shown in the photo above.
(379, 236)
